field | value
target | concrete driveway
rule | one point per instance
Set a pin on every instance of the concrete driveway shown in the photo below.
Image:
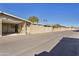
(28, 45)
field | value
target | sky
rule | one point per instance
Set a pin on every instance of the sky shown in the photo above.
(55, 13)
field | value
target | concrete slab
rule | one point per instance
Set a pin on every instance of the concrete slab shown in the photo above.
(29, 45)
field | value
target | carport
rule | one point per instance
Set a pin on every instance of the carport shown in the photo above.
(11, 24)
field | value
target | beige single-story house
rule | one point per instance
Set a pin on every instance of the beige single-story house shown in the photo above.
(12, 24)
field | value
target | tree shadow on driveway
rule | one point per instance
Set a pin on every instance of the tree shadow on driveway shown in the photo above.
(75, 30)
(66, 47)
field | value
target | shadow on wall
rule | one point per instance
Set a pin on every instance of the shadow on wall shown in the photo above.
(66, 47)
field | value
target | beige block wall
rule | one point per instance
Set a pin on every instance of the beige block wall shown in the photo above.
(34, 29)
(62, 29)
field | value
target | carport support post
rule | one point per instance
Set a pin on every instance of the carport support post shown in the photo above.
(24, 28)
(0, 27)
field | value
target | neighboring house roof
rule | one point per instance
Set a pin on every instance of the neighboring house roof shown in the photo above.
(14, 16)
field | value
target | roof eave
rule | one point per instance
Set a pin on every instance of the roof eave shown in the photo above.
(14, 16)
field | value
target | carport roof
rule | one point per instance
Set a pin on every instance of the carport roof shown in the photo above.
(14, 16)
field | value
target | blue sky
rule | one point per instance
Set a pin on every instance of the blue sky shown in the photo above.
(65, 14)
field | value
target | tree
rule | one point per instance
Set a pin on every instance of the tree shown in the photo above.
(33, 19)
